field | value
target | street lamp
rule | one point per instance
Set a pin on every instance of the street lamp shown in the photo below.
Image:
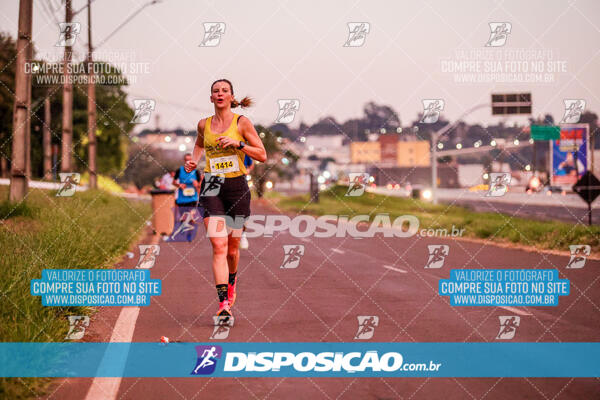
(434, 139)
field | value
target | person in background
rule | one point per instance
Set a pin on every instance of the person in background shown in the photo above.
(166, 181)
(188, 184)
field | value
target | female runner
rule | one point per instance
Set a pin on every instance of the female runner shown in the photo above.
(227, 138)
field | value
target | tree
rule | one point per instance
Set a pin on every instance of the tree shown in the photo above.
(380, 116)
(114, 113)
(275, 164)
(113, 123)
(145, 165)
(324, 126)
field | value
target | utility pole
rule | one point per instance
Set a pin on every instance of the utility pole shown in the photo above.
(18, 181)
(46, 140)
(91, 105)
(67, 117)
(28, 123)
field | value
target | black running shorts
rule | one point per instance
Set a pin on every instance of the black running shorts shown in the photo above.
(232, 199)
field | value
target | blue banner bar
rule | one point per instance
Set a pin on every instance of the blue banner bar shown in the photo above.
(95, 287)
(222, 359)
(504, 287)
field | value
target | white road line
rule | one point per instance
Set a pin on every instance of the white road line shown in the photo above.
(338, 251)
(395, 269)
(516, 310)
(108, 388)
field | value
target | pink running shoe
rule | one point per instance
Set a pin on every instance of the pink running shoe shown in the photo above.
(231, 294)
(224, 309)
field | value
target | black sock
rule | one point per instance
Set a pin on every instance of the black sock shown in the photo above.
(232, 278)
(222, 292)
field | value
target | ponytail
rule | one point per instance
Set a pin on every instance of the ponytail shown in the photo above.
(244, 103)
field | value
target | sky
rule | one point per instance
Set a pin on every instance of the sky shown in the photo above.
(275, 50)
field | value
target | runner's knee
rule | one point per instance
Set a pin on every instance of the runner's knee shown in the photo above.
(232, 252)
(219, 246)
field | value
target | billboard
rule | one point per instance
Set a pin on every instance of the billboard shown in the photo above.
(570, 154)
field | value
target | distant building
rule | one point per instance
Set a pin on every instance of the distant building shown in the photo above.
(447, 175)
(389, 151)
(365, 152)
(413, 154)
(327, 146)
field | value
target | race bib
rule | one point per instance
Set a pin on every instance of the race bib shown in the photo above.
(224, 165)
(189, 191)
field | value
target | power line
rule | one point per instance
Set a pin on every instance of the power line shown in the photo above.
(48, 11)
(58, 5)
(152, 2)
(82, 8)
(52, 11)
(169, 102)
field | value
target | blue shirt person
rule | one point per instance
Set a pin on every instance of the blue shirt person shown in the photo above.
(188, 184)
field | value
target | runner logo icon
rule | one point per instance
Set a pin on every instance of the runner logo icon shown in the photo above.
(291, 255)
(366, 326)
(220, 331)
(498, 34)
(437, 255)
(148, 253)
(207, 359)
(287, 110)
(143, 110)
(499, 182)
(212, 34)
(77, 325)
(357, 183)
(579, 253)
(212, 185)
(186, 227)
(432, 109)
(573, 110)
(69, 182)
(508, 327)
(68, 33)
(357, 33)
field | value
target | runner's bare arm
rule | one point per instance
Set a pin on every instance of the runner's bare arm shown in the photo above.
(198, 148)
(255, 148)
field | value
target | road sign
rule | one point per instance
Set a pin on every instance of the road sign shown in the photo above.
(570, 154)
(572, 136)
(545, 132)
(511, 103)
(588, 188)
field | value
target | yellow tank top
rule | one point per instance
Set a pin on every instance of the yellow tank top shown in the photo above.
(229, 161)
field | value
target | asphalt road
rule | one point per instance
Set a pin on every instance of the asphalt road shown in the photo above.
(539, 206)
(337, 280)
(534, 211)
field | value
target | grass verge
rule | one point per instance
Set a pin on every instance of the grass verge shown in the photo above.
(553, 235)
(92, 229)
